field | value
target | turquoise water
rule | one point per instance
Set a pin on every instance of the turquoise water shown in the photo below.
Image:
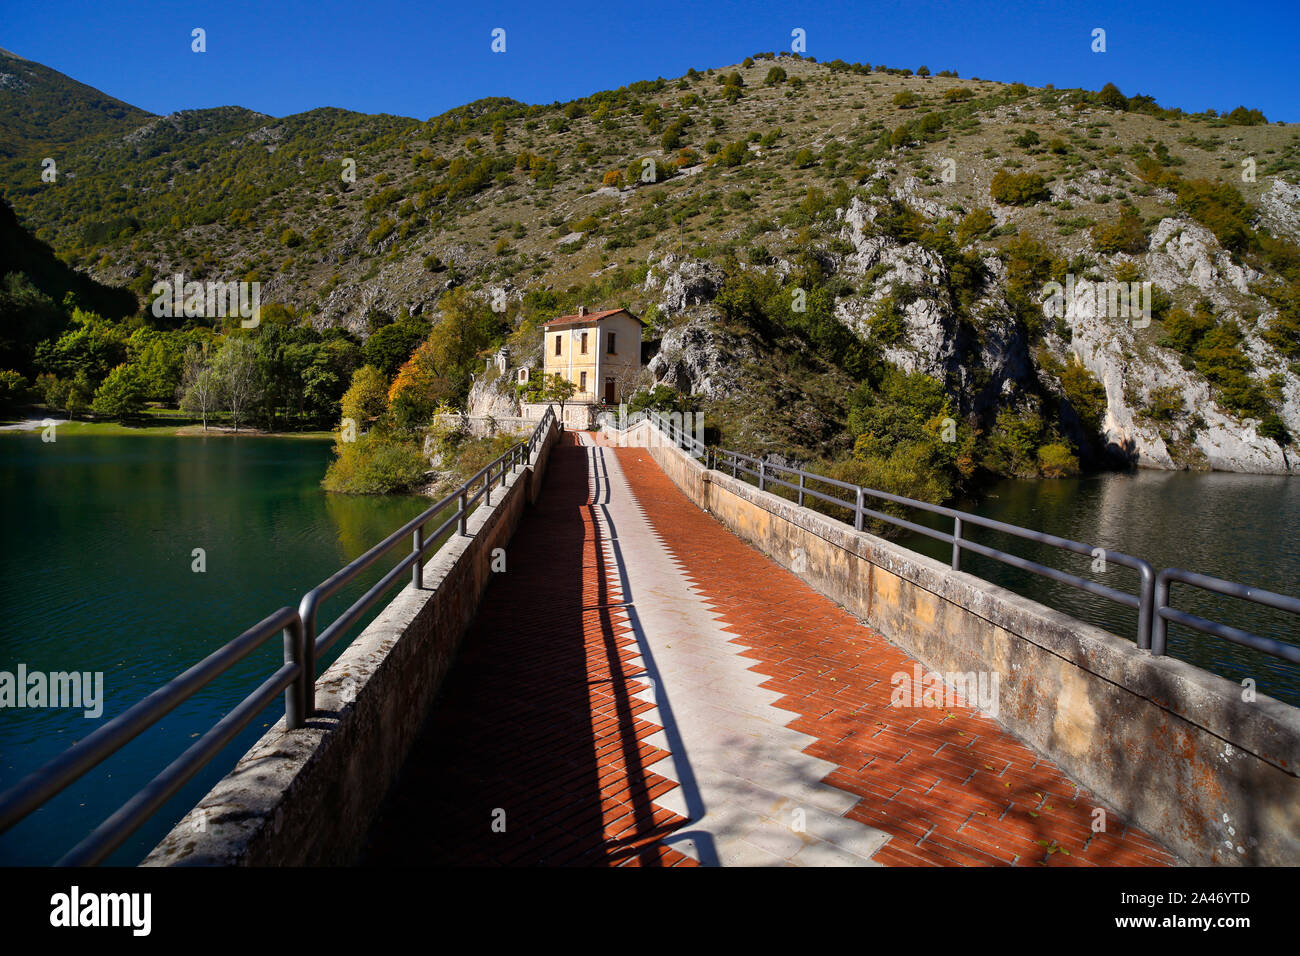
(96, 574)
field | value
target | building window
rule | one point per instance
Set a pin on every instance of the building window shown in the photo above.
(582, 380)
(611, 344)
(558, 338)
(584, 343)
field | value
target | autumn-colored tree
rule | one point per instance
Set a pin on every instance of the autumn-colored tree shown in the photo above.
(367, 397)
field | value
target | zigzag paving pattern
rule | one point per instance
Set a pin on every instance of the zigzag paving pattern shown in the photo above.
(946, 786)
(536, 751)
(752, 792)
(641, 687)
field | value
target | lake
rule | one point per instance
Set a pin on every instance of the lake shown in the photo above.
(97, 574)
(97, 565)
(1244, 528)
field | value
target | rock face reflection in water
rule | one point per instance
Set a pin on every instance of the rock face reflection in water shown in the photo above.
(1241, 527)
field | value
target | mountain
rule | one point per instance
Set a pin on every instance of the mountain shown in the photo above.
(42, 111)
(835, 258)
(35, 284)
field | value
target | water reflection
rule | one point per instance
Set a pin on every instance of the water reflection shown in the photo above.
(1239, 527)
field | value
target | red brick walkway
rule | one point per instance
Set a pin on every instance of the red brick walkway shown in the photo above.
(950, 786)
(537, 727)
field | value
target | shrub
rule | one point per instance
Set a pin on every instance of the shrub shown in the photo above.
(1018, 189)
(381, 231)
(1013, 444)
(1218, 207)
(13, 387)
(1165, 403)
(1184, 330)
(1057, 461)
(375, 464)
(733, 154)
(774, 76)
(887, 323)
(958, 94)
(1244, 117)
(1086, 395)
(1126, 234)
(905, 99)
(974, 224)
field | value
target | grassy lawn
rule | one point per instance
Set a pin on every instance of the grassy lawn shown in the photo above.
(153, 422)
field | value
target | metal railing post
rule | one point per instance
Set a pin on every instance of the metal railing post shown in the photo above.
(762, 473)
(307, 679)
(1158, 625)
(801, 480)
(464, 508)
(294, 715)
(1146, 603)
(857, 512)
(734, 462)
(487, 487)
(417, 569)
(956, 544)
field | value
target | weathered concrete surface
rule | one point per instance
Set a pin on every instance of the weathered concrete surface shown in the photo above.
(306, 797)
(1212, 776)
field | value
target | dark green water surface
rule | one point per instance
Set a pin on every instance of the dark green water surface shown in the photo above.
(96, 574)
(1244, 528)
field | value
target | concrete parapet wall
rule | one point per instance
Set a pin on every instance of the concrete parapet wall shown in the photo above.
(577, 415)
(307, 797)
(1172, 747)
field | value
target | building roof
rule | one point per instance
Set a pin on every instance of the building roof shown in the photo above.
(588, 317)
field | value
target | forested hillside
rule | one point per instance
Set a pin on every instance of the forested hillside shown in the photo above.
(841, 263)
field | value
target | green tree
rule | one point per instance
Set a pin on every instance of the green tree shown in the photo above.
(158, 359)
(120, 396)
(1112, 97)
(390, 346)
(13, 387)
(558, 389)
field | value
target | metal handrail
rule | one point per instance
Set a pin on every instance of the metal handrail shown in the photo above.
(1151, 601)
(296, 678)
(1164, 613)
(64, 770)
(682, 439)
(1142, 601)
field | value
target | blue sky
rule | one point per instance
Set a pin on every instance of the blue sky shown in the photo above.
(419, 59)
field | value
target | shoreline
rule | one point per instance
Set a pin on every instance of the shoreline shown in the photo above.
(65, 427)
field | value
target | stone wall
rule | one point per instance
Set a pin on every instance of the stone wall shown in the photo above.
(1172, 747)
(307, 797)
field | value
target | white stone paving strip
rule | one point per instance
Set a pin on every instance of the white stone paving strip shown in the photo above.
(752, 796)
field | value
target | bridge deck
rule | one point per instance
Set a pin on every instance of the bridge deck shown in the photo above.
(642, 687)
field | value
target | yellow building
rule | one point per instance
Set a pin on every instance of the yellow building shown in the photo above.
(599, 352)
